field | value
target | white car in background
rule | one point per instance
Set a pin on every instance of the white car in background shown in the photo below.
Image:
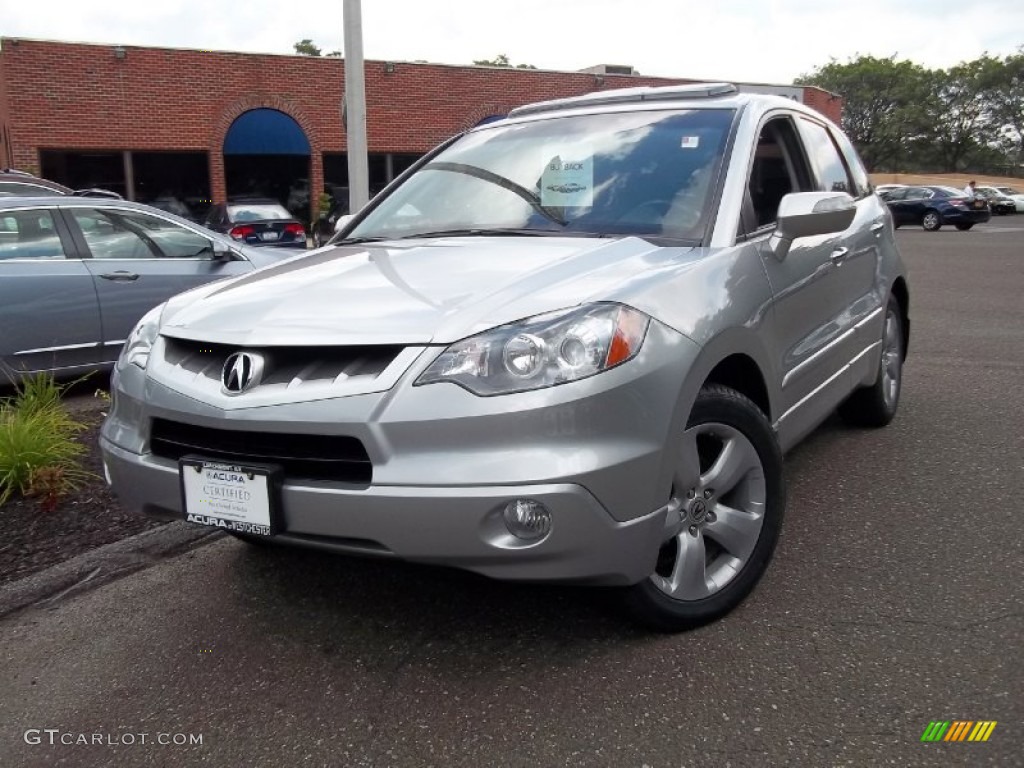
(1014, 194)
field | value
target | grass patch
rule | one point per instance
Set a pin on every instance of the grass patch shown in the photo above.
(38, 453)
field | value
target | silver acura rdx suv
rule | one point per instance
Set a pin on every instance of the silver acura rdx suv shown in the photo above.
(571, 345)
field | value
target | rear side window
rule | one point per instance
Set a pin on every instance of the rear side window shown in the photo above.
(826, 158)
(29, 235)
(861, 180)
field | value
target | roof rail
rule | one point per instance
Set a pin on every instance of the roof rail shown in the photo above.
(628, 95)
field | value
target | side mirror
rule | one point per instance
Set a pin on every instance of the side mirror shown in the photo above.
(221, 252)
(342, 221)
(806, 214)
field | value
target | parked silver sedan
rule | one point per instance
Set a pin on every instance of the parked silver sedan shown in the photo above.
(76, 275)
(569, 346)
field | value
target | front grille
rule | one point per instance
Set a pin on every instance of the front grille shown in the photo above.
(338, 458)
(286, 367)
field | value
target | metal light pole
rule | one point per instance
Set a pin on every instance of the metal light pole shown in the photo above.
(355, 108)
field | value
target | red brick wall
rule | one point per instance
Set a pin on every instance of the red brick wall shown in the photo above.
(828, 104)
(5, 157)
(80, 96)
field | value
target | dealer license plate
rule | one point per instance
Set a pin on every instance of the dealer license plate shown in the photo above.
(228, 496)
(269, 235)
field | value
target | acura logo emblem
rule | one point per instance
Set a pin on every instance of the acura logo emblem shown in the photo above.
(242, 371)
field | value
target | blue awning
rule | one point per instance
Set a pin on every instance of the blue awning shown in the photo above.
(265, 132)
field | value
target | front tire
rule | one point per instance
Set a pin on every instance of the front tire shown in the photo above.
(964, 227)
(931, 221)
(875, 405)
(725, 513)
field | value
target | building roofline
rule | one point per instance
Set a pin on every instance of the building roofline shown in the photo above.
(14, 39)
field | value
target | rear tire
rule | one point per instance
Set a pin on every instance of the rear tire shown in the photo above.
(931, 221)
(725, 513)
(964, 227)
(875, 405)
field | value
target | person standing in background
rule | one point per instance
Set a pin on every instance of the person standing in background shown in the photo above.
(971, 189)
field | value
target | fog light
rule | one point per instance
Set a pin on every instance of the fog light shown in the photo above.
(527, 519)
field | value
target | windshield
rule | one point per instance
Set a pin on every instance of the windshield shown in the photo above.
(648, 173)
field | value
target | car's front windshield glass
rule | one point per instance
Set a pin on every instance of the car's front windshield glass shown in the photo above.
(649, 173)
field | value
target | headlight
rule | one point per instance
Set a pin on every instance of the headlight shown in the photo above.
(542, 351)
(140, 340)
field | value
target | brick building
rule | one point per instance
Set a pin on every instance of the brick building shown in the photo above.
(190, 125)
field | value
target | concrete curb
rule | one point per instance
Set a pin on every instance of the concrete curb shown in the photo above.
(102, 565)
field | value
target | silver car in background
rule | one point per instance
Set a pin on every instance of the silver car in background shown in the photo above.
(77, 274)
(569, 346)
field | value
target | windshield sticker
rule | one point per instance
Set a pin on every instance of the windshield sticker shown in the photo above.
(690, 142)
(568, 181)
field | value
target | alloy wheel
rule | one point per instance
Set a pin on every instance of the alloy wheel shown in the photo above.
(715, 515)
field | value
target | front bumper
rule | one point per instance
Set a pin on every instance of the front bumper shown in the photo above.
(445, 464)
(459, 526)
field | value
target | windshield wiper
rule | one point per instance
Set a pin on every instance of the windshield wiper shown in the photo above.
(358, 240)
(485, 231)
(517, 189)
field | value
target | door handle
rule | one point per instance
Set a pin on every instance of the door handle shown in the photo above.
(120, 277)
(878, 226)
(838, 255)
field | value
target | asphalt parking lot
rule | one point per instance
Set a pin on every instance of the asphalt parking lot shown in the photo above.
(894, 600)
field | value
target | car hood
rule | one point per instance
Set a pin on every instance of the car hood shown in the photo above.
(416, 291)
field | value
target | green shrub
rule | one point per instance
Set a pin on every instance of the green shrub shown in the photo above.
(39, 393)
(38, 453)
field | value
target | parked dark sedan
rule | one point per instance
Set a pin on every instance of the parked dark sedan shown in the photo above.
(76, 274)
(931, 207)
(257, 222)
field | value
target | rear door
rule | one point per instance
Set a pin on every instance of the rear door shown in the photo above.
(138, 260)
(49, 312)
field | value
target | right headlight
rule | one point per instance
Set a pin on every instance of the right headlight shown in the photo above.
(542, 351)
(140, 341)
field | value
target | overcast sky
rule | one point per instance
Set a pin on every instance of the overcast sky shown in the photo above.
(770, 41)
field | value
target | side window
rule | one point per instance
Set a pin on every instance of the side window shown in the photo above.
(827, 160)
(121, 234)
(861, 180)
(778, 168)
(29, 234)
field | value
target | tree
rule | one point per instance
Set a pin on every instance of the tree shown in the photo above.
(501, 60)
(306, 48)
(1003, 81)
(957, 112)
(882, 105)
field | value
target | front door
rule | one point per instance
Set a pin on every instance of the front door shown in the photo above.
(139, 260)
